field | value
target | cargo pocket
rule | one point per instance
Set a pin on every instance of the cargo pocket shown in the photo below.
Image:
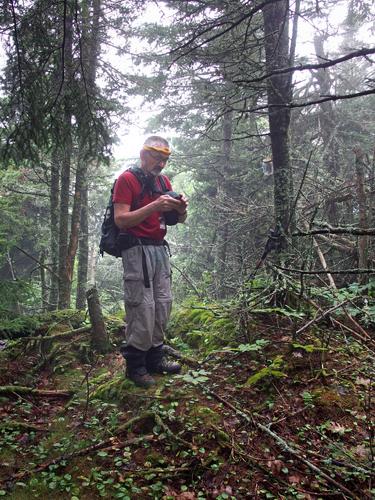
(133, 291)
(133, 276)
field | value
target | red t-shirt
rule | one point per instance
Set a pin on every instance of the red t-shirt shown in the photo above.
(128, 190)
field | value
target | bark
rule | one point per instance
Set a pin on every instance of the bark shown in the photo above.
(223, 224)
(275, 18)
(327, 118)
(327, 124)
(93, 254)
(64, 277)
(99, 338)
(89, 49)
(80, 183)
(43, 280)
(83, 253)
(362, 222)
(17, 305)
(54, 230)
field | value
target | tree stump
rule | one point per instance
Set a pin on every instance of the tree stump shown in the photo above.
(99, 337)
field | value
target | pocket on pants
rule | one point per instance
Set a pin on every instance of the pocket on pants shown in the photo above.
(133, 291)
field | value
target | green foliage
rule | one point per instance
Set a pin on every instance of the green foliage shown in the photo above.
(21, 326)
(13, 292)
(203, 326)
(283, 311)
(273, 370)
(308, 348)
(257, 346)
(51, 322)
(112, 389)
(195, 377)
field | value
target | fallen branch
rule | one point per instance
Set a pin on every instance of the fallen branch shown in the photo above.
(322, 271)
(22, 390)
(322, 316)
(22, 425)
(177, 355)
(62, 335)
(284, 445)
(337, 230)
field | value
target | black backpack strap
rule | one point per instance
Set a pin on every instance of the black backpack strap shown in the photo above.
(141, 178)
(162, 183)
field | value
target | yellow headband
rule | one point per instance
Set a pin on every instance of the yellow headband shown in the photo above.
(160, 149)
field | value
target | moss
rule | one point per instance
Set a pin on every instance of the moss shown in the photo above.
(329, 399)
(114, 389)
(155, 458)
(204, 327)
(194, 339)
(70, 378)
(205, 415)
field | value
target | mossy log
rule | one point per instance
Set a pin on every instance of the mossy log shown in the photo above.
(22, 426)
(22, 390)
(62, 335)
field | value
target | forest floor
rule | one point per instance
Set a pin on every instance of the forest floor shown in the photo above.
(269, 419)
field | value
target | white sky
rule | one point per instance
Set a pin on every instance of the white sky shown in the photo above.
(131, 138)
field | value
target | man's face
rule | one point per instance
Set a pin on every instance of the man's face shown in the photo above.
(153, 162)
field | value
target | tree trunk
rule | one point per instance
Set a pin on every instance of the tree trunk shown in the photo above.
(54, 230)
(81, 174)
(223, 224)
(64, 278)
(43, 280)
(99, 339)
(83, 252)
(362, 222)
(279, 91)
(327, 119)
(89, 56)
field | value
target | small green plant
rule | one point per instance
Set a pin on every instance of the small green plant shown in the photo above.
(195, 377)
(273, 370)
(308, 399)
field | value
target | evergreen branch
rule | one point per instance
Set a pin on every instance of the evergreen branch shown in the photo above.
(322, 271)
(248, 15)
(37, 261)
(337, 230)
(16, 41)
(62, 58)
(302, 67)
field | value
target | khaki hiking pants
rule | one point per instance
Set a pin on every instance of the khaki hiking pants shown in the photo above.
(147, 309)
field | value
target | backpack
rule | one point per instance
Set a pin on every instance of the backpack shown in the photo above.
(109, 241)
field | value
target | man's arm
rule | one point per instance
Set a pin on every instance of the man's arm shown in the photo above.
(124, 218)
(182, 209)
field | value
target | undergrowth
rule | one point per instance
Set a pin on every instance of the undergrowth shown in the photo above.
(251, 414)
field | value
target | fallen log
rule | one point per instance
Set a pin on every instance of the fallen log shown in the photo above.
(20, 390)
(62, 335)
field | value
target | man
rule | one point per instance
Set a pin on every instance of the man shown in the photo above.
(141, 217)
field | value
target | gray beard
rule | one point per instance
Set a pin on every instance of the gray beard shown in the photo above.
(156, 171)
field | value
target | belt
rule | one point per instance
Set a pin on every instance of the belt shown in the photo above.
(127, 241)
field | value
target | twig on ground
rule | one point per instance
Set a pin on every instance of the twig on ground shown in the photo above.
(18, 390)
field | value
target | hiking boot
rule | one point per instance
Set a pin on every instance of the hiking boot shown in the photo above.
(136, 368)
(165, 366)
(141, 378)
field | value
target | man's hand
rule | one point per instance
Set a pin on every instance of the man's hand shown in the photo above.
(166, 203)
(183, 205)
